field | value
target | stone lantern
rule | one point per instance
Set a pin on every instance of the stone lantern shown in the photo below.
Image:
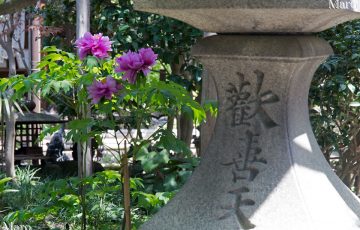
(263, 168)
(28, 127)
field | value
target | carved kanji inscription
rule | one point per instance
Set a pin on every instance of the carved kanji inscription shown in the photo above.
(246, 109)
(246, 102)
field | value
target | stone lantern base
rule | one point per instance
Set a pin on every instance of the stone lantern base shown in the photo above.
(263, 169)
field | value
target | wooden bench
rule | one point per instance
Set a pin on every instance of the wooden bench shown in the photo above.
(30, 153)
(20, 157)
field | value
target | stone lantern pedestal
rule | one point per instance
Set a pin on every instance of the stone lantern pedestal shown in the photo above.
(263, 169)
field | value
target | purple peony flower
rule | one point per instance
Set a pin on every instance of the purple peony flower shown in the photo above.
(102, 45)
(84, 44)
(105, 88)
(96, 45)
(149, 58)
(131, 63)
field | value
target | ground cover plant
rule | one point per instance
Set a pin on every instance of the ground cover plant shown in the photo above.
(57, 204)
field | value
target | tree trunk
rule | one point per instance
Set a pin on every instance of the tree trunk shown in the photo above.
(10, 143)
(10, 118)
(126, 190)
(184, 124)
(185, 128)
(208, 92)
(36, 55)
(82, 17)
(83, 26)
(350, 159)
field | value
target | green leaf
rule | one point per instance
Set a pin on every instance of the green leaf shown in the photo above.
(123, 28)
(48, 49)
(136, 183)
(211, 106)
(110, 175)
(164, 196)
(169, 142)
(80, 124)
(65, 85)
(48, 130)
(70, 200)
(170, 183)
(5, 180)
(146, 200)
(91, 62)
(152, 160)
(352, 88)
(53, 57)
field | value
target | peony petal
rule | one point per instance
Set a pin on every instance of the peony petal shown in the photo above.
(130, 76)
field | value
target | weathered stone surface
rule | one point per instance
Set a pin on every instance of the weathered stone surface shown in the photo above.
(263, 169)
(208, 92)
(255, 16)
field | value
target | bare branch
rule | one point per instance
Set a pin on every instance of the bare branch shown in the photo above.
(2, 43)
(22, 55)
(6, 45)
